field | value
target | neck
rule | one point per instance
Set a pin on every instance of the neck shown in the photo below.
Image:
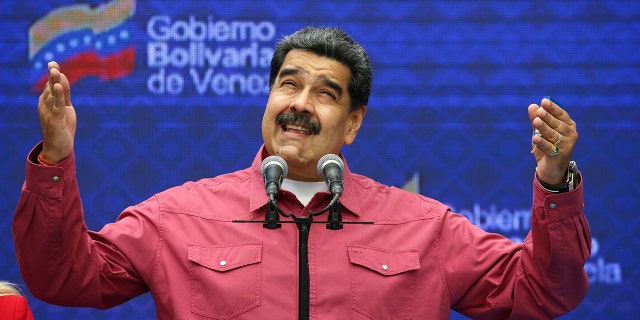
(304, 190)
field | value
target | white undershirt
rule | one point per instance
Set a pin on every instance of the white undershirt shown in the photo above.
(304, 190)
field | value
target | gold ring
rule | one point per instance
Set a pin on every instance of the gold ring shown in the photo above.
(554, 152)
(559, 139)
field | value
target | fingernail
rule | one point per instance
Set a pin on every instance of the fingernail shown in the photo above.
(551, 99)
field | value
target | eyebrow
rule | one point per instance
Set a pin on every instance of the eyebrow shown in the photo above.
(327, 81)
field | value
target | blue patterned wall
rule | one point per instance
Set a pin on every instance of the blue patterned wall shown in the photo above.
(452, 83)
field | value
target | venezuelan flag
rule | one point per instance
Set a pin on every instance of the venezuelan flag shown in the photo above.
(85, 41)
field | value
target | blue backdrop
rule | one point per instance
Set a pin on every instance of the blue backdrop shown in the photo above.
(169, 91)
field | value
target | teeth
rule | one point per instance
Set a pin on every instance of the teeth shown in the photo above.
(299, 128)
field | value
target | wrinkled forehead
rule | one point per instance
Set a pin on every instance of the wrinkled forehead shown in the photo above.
(306, 63)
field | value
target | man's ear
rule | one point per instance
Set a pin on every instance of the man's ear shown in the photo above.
(355, 122)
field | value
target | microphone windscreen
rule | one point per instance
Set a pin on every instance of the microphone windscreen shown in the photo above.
(329, 159)
(274, 160)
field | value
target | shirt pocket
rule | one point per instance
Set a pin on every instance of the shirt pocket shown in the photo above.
(383, 281)
(226, 280)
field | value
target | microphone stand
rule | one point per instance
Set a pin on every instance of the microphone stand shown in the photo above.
(334, 222)
(272, 218)
(304, 226)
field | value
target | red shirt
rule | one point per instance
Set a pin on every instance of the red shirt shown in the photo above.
(13, 307)
(418, 260)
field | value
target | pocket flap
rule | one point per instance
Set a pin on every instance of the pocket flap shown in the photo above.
(225, 257)
(384, 261)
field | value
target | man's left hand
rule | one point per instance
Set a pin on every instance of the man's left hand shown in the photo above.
(555, 136)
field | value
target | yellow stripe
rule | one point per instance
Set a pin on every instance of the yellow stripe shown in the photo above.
(77, 17)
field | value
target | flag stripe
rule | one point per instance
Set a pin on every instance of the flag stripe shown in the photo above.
(90, 64)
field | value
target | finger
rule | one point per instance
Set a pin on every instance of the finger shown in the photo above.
(543, 144)
(53, 69)
(58, 97)
(54, 77)
(541, 123)
(556, 111)
(56, 87)
(46, 99)
(46, 92)
(536, 138)
(545, 138)
(565, 125)
(532, 110)
(537, 111)
(53, 65)
(66, 89)
(55, 99)
(551, 127)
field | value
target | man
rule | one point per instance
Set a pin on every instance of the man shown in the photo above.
(418, 260)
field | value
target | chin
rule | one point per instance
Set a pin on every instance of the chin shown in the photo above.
(290, 153)
(293, 155)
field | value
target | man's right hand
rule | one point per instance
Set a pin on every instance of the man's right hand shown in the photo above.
(57, 116)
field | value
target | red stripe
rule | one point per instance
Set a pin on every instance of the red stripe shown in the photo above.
(90, 64)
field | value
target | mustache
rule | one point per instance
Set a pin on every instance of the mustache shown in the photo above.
(299, 119)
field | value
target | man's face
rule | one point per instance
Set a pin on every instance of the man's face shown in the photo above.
(307, 114)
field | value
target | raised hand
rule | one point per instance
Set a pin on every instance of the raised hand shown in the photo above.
(57, 116)
(555, 136)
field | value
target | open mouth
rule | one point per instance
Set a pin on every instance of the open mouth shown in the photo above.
(298, 123)
(290, 127)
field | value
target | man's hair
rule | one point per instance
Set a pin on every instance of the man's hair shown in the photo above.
(335, 44)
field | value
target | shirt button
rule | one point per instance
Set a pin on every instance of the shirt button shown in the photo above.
(223, 263)
(552, 206)
(385, 267)
(56, 179)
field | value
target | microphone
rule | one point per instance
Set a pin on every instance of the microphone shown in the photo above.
(330, 168)
(274, 169)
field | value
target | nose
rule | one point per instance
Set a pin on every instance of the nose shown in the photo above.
(303, 102)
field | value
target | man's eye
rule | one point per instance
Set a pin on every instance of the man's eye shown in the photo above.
(289, 83)
(329, 94)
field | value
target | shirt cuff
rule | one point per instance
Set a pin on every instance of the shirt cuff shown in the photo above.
(557, 206)
(45, 180)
